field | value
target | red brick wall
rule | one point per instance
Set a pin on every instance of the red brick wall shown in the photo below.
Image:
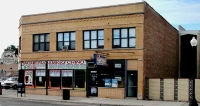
(160, 46)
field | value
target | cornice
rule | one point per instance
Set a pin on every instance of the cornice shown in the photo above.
(79, 20)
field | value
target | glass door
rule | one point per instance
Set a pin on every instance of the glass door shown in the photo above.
(93, 83)
(132, 83)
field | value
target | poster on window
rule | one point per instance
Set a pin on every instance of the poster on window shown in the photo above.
(28, 76)
(93, 90)
(40, 73)
(67, 73)
(107, 82)
(55, 73)
(114, 82)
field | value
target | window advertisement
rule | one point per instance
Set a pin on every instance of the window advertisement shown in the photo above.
(107, 82)
(40, 72)
(67, 73)
(114, 82)
(54, 73)
(28, 78)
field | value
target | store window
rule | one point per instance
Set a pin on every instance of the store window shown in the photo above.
(67, 78)
(79, 78)
(40, 78)
(28, 75)
(54, 78)
(124, 38)
(41, 42)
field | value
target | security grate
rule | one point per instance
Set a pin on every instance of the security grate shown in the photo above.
(162, 89)
(147, 89)
(175, 89)
(190, 88)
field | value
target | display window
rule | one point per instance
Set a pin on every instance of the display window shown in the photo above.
(40, 76)
(54, 79)
(67, 78)
(29, 78)
(79, 79)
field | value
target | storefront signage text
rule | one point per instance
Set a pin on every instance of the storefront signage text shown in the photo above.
(76, 64)
(33, 65)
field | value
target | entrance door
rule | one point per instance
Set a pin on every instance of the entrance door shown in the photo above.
(93, 83)
(132, 83)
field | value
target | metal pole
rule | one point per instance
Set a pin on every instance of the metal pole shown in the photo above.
(193, 101)
(47, 80)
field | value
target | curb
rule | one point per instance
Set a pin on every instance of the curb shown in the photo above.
(66, 101)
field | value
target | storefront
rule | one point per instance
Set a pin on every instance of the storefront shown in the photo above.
(58, 74)
(111, 80)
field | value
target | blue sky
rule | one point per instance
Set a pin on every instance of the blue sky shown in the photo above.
(177, 12)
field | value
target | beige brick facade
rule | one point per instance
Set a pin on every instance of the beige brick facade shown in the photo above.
(155, 54)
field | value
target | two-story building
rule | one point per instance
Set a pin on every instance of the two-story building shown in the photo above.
(104, 51)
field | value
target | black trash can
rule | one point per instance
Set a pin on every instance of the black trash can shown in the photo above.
(66, 94)
(0, 89)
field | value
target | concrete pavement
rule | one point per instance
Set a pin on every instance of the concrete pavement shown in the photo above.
(91, 100)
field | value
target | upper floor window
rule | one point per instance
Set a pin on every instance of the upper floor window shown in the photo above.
(66, 39)
(93, 39)
(124, 38)
(41, 42)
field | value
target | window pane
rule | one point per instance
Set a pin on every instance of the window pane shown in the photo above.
(41, 46)
(47, 47)
(66, 43)
(116, 42)
(86, 35)
(79, 79)
(36, 47)
(93, 34)
(94, 44)
(73, 36)
(116, 33)
(60, 37)
(124, 43)
(132, 32)
(60, 44)
(41, 38)
(72, 45)
(100, 42)
(35, 38)
(86, 44)
(47, 37)
(132, 42)
(124, 33)
(66, 82)
(66, 36)
(100, 34)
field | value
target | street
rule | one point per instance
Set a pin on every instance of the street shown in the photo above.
(7, 101)
(20, 102)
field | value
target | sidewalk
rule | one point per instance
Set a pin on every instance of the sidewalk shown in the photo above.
(91, 100)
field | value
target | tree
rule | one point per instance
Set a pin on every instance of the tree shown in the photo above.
(12, 48)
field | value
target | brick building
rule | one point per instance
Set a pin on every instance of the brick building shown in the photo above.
(130, 42)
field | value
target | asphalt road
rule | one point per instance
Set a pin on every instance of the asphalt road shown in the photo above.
(20, 102)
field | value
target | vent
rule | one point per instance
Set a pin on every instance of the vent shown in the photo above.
(65, 47)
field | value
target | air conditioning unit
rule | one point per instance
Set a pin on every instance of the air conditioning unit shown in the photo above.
(65, 47)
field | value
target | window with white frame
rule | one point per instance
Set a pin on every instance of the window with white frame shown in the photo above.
(124, 38)
(93, 39)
